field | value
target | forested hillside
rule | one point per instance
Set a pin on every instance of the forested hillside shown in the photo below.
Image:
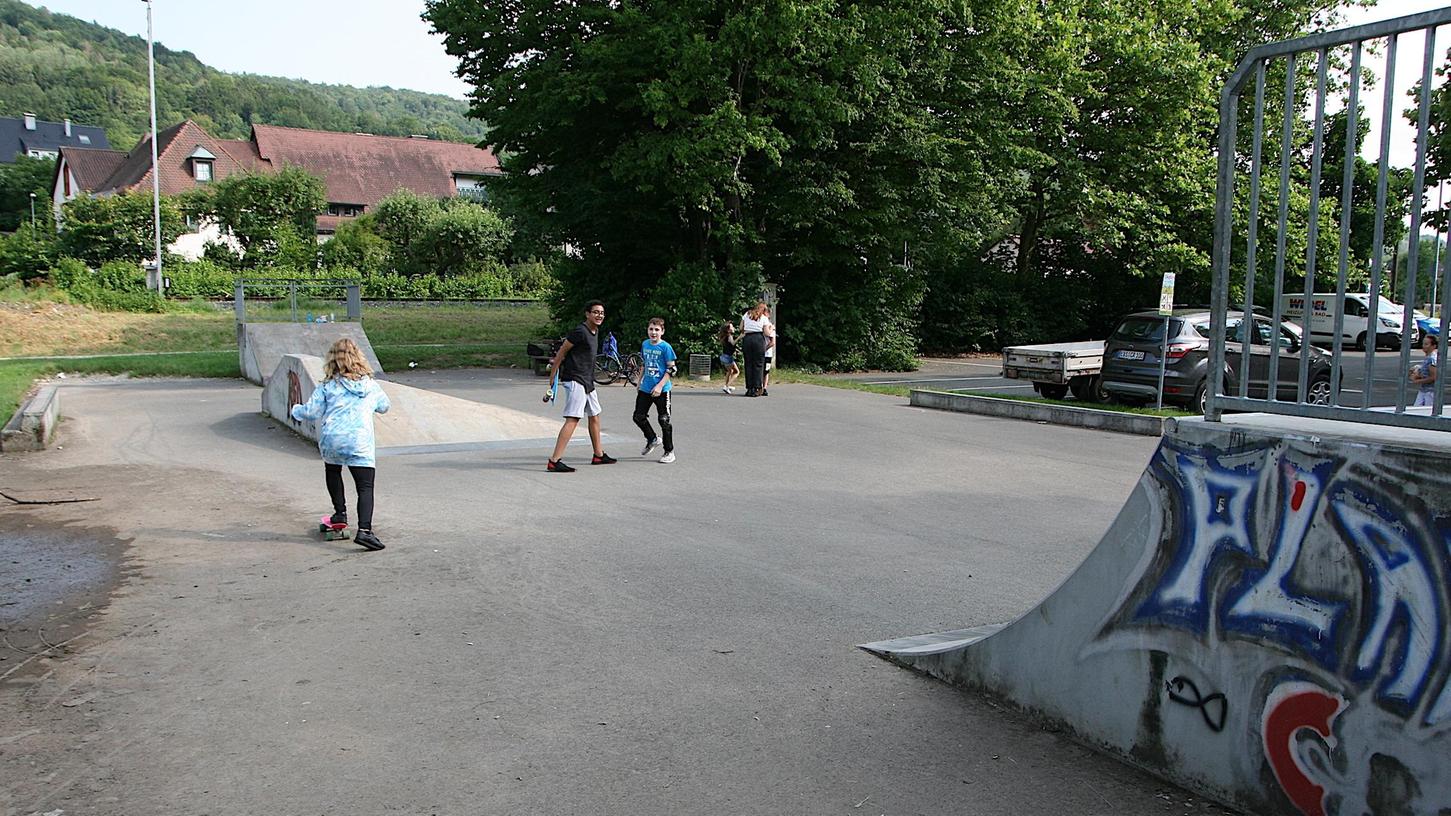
(59, 66)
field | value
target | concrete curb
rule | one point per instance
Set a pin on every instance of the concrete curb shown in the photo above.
(33, 426)
(1040, 412)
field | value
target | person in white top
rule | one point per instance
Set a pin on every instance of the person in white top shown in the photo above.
(753, 345)
(1424, 374)
(770, 357)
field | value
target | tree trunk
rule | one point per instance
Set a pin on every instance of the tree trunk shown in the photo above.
(1028, 235)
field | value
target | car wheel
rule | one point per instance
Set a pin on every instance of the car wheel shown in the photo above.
(1320, 392)
(1053, 391)
(1360, 342)
(1201, 397)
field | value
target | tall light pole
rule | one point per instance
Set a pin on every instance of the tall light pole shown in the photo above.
(32, 213)
(155, 175)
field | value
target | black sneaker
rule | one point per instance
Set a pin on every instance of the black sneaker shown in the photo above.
(338, 518)
(602, 459)
(368, 540)
(558, 467)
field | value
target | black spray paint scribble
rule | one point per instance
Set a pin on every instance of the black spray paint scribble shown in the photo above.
(1214, 707)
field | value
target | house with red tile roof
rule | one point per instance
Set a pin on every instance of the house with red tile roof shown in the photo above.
(357, 169)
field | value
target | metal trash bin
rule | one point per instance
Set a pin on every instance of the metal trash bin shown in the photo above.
(700, 367)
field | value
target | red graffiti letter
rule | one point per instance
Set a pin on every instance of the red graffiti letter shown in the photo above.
(1287, 710)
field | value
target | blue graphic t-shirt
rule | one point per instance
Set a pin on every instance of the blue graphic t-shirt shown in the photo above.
(658, 357)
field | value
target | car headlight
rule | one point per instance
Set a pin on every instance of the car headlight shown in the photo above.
(1390, 324)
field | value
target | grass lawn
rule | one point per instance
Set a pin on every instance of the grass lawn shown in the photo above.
(202, 341)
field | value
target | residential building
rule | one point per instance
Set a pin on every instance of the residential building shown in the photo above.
(28, 136)
(357, 169)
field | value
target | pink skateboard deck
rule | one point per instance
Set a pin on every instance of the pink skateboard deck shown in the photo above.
(331, 531)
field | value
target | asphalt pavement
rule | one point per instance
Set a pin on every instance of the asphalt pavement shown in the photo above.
(634, 639)
(983, 373)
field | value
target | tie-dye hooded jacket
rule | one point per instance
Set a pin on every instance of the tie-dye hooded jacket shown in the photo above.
(343, 410)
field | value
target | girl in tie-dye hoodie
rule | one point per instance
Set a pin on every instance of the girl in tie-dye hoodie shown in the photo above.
(343, 407)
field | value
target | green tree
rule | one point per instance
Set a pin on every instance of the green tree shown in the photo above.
(265, 212)
(462, 238)
(796, 143)
(18, 181)
(116, 228)
(403, 217)
(357, 245)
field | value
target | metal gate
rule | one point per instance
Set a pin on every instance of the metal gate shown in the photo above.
(1238, 274)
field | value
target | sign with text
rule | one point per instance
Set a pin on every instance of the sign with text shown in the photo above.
(1166, 295)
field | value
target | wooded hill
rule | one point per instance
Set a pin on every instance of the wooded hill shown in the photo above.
(57, 66)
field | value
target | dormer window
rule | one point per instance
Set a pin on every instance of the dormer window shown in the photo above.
(201, 164)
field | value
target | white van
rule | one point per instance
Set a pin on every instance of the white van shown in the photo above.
(1358, 326)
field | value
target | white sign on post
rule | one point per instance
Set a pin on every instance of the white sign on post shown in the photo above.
(1166, 309)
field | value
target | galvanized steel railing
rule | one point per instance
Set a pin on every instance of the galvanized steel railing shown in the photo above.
(1323, 48)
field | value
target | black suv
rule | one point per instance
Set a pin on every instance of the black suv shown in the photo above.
(1131, 359)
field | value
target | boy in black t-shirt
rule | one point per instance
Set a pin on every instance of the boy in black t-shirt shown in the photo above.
(575, 363)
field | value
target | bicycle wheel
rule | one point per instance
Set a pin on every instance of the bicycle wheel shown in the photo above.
(607, 369)
(634, 369)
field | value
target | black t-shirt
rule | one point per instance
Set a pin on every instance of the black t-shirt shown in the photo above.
(579, 363)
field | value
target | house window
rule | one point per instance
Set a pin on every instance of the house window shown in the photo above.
(344, 210)
(202, 170)
(43, 154)
(85, 139)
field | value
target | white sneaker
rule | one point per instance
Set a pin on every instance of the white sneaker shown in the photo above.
(649, 446)
(667, 458)
(728, 389)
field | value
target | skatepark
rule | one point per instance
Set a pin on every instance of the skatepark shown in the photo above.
(638, 638)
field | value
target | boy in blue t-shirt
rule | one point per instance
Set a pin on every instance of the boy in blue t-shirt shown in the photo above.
(659, 360)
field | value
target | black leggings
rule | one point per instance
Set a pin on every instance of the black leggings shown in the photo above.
(363, 481)
(643, 400)
(754, 346)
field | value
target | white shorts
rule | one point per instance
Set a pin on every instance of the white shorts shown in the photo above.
(578, 402)
(1424, 398)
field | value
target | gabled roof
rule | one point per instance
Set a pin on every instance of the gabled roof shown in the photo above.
(16, 140)
(175, 146)
(360, 168)
(91, 167)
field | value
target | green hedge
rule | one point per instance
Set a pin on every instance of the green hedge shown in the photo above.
(121, 286)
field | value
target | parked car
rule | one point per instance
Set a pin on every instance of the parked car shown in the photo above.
(1131, 359)
(1356, 325)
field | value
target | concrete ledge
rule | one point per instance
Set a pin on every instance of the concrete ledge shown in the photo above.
(1040, 412)
(33, 426)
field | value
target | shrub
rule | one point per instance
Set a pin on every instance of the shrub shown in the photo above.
(27, 254)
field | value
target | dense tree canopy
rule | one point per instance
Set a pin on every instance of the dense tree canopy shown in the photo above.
(1000, 157)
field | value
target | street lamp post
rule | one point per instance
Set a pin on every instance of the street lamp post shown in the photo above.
(32, 213)
(155, 176)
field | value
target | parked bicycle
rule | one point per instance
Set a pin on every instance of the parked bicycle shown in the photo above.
(610, 367)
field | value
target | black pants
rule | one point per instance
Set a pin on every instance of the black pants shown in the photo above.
(363, 481)
(643, 401)
(754, 346)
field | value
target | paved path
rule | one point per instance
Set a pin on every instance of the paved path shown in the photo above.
(633, 639)
(984, 373)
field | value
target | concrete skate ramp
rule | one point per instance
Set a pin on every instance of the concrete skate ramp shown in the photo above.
(419, 421)
(1265, 622)
(260, 346)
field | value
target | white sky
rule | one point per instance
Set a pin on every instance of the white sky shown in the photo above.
(384, 42)
(358, 42)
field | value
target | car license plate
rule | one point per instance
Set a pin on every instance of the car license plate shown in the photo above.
(1130, 355)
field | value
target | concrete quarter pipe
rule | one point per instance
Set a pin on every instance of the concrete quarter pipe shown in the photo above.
(1265, 621)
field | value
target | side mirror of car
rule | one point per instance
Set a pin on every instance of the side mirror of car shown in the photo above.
(1290, 343)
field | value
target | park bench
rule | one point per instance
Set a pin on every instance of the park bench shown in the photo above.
(541, 352)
